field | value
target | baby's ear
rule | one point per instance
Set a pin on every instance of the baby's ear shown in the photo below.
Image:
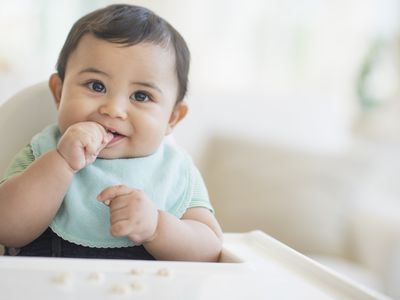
(177, 115)
(55, 85)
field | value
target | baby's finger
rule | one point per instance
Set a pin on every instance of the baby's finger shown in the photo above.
(118, 216)
(90, 154)
(105, 135)
(121, 228)
(113, 192)
(104, 138)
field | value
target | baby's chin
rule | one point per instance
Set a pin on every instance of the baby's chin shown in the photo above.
(107, 155)
(110, 156)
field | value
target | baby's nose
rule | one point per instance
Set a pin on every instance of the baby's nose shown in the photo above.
(114, 108)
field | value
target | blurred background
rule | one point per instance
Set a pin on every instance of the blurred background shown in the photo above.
(294, 115)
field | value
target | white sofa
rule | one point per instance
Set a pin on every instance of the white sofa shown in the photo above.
(318, 205)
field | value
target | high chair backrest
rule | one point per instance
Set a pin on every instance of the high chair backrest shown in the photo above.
(21, 117)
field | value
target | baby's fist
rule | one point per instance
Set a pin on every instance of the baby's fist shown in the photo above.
(82, 142)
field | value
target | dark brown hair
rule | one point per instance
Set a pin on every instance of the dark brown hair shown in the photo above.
(129, 25)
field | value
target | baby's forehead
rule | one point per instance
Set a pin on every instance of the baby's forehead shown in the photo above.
(93, 50)
(93, 43)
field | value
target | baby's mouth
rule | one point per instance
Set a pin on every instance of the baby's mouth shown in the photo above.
(113, 132)
(116, 135)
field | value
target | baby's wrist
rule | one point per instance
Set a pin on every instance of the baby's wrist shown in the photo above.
(156, 231)
(68, 166)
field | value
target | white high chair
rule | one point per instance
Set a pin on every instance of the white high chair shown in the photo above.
(21, 117)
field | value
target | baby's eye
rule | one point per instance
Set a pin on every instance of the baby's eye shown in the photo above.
(140, 97)
(97, 86)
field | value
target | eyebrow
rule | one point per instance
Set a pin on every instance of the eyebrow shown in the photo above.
(94, 70)
(148, 84)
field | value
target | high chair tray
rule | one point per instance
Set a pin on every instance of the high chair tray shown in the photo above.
(253, 266)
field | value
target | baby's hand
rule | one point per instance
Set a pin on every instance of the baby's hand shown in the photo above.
(82, 142)
(132, 213)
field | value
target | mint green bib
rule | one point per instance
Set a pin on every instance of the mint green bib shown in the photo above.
(164, 176)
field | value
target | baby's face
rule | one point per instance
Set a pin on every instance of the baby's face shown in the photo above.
(131, 91)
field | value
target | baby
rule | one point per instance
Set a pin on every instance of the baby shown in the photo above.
(103, 183)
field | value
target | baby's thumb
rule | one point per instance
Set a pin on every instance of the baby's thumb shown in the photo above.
(108, 138)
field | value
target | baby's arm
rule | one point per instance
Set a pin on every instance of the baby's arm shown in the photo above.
(197, 236)
(31, 199)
